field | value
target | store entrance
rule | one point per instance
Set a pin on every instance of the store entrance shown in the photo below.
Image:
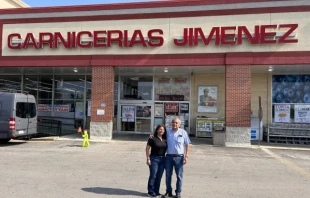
(136, 118)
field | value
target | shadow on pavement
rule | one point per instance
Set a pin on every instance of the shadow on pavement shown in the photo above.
(130, 137)
(114, 191)
(145, 137)
(11, 144)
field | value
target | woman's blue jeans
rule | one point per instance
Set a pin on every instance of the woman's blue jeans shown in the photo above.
(157, 168)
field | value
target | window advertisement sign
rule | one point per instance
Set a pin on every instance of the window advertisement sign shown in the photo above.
(172, 88)
(159, 110)
(44, 107)
(184, 108)
(88, 108)
(282, 112)
(58, 108)
(291, 89)
(61, 108)
(302, 113)
(207, 99)
(128, 113)
(181, 86)
(171, 107)
(79, 110)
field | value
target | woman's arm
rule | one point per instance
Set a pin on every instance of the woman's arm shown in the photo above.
(147, 152)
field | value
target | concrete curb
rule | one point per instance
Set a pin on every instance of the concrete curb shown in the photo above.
(52, 138)
(81, 140)
(271, 147)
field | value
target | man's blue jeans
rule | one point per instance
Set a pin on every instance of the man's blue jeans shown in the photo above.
(177, 162)
(157, 168)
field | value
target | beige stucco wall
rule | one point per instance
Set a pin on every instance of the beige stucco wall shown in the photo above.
(172, 27)
(261, 86)
(207, 79)
(12, 4)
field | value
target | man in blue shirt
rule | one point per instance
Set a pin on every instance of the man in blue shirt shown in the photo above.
(177, 155)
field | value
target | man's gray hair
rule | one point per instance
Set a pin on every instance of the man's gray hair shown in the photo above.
(176, 119)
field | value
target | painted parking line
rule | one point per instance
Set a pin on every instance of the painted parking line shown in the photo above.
(287, 163)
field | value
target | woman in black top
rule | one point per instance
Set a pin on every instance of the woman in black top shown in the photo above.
(156, 159)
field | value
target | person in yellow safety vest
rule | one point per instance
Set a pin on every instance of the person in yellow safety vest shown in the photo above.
(85, 140)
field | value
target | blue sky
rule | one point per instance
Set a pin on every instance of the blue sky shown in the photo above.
(38, 3)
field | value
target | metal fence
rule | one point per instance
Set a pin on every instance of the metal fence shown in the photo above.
(289, 133)
(49, 127)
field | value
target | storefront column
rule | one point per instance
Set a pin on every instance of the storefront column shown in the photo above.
(238, 105)
(102, 100)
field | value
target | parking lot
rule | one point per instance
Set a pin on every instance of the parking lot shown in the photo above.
(117, 169)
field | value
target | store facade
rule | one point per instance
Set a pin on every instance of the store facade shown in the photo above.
(128, 67)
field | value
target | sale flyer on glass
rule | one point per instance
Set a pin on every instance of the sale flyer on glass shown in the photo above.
(282, 112)
(302, 113)
(128, 113)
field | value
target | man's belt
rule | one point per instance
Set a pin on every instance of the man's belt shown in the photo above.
(175, 155)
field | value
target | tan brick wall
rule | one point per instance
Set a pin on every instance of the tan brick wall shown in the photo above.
(102, 92)
(238, 95)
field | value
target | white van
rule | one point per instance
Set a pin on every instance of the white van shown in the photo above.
(18, 116)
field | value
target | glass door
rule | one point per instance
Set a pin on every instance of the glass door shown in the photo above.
(136, 118)
(143, 118)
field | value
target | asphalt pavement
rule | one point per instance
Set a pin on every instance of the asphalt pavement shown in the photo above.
(64, 169)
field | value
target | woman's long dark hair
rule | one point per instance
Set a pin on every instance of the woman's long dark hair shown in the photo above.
(156, 133)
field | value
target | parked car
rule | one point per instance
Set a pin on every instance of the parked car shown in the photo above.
(18, 116)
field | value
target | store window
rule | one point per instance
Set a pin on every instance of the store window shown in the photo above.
(136, 88)
(31, 85)
(116, 83)
(69, 87)
(88, 87)
(10, 83)
(45, 94)
(11, 70)
(88, 100)
(69, 101)
(291, 98)
(172, 88)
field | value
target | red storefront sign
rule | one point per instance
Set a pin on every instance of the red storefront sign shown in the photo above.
(180, 80)
(171, 107)
(227, 35)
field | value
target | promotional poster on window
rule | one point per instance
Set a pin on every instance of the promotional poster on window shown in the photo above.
(128, 113)
(79, 110)
(302, 113)
(282, 113)
(159, 110)
(291, 89)
(207, 99)
(58, 108)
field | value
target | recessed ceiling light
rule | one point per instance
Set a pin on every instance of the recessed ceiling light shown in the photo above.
(75, 70)
(166, 70)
